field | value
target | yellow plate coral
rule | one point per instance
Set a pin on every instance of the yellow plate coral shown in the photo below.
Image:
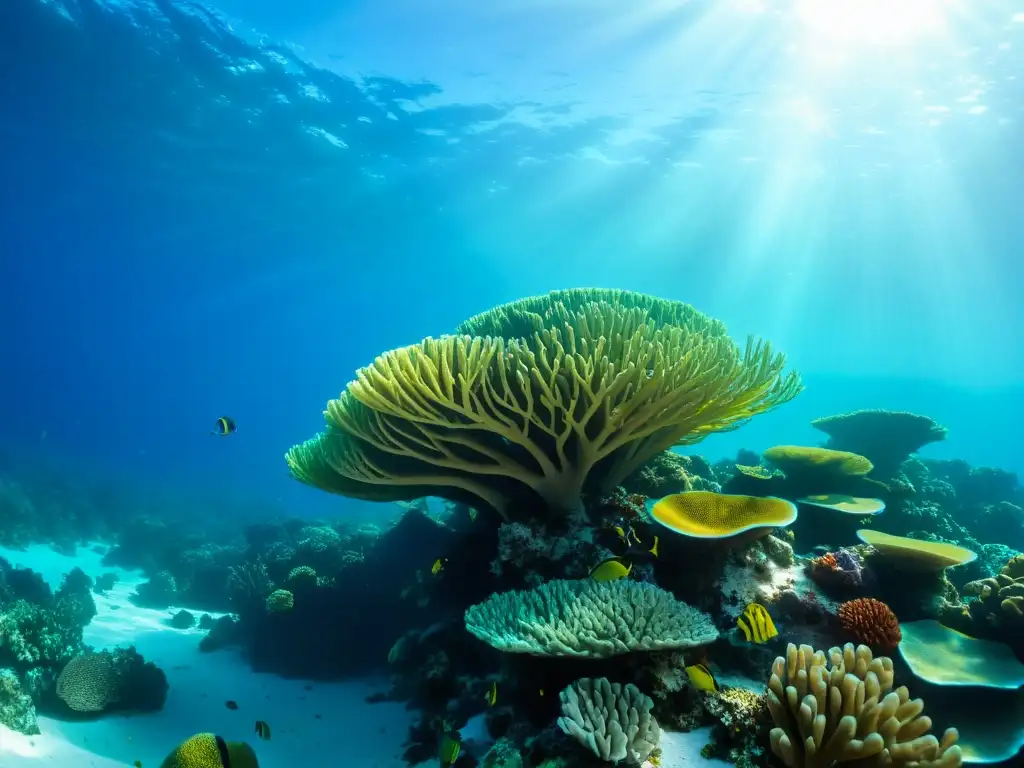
(840, 502)
(914, 554)
(797, 460)
(709, 515)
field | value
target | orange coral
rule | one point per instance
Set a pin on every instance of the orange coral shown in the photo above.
(826, 562)
(871, 621)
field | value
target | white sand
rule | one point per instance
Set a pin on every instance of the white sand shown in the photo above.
(349, 731)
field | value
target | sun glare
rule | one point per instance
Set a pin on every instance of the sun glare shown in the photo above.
(873, 21)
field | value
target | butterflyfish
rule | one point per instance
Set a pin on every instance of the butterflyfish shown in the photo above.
(756, 624)
(612, 569)
(491, 697)
(701, 678)
(449, 748)
(225, 426)
(438, 565)
(263, 730)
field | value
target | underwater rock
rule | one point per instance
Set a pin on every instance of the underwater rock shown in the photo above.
(161, 591)
(741, 725)
(181, 620)
(104, 583)
(224, 633)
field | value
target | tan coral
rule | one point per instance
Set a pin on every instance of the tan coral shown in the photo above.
(841, 707)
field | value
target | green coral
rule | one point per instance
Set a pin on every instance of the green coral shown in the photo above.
(302, 577)
(280, 600)
(16, 709)
(541, 399)
(587, 618)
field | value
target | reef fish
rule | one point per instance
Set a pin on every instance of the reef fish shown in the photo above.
(225, 426)
(701, 678)
(263, 730)
(231, 704)
(756, 624)
(491, 697)
(449, 748)
(612, 569)
(438, 565)
(625, 532)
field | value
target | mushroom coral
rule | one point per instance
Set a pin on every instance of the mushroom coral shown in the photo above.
(540, 400)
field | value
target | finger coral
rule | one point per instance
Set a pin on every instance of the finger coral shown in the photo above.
(871, 622)
(533, 396)
(587, 618)
(841, 708)
(611, 720)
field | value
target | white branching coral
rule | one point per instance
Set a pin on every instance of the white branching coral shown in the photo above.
(611, 720)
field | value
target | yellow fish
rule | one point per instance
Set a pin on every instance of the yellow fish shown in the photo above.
(701, 678)
(449, 749)
(612, 569)
(438, 565)
(262, 730)
(654, 550)
(756, 624)
(491, 697)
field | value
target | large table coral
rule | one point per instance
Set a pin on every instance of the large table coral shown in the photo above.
(538, 401)
(589, 619)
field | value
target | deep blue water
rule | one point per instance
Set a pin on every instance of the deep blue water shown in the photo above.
(206, 215)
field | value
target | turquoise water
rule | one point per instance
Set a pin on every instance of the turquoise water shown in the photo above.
(228, 210)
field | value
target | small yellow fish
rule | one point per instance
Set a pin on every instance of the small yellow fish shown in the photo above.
(263, 730)
(541, 692)
(438, 565)
(654, 550)
(701, 678)
(612, 569)
(449, 749)
(756, 624)
(620, 532)
(491, 697)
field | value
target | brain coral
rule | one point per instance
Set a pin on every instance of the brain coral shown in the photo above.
(88, 683)
(533, 396)
(207, 750)
(588, 618)
(841, 708)
(708, 515)
(871, 622)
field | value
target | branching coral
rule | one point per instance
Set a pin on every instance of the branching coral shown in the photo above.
(587, 618)
(561, 385)
(613, 721)
(842, 708)
(871, 622)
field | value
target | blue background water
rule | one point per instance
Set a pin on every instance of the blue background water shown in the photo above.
(208, 215)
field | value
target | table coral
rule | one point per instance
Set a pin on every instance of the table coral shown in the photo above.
(586, 618)
(887, 438)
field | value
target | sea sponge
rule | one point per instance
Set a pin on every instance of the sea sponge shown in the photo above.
(915, 554)
(613, 721)
(89, 683)
(871, 622)
(887, 438)
(588, 618)
(842, 708)
(707, 515)
(207, 750)
(559, 385)
(280, 600)
(800, 461)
